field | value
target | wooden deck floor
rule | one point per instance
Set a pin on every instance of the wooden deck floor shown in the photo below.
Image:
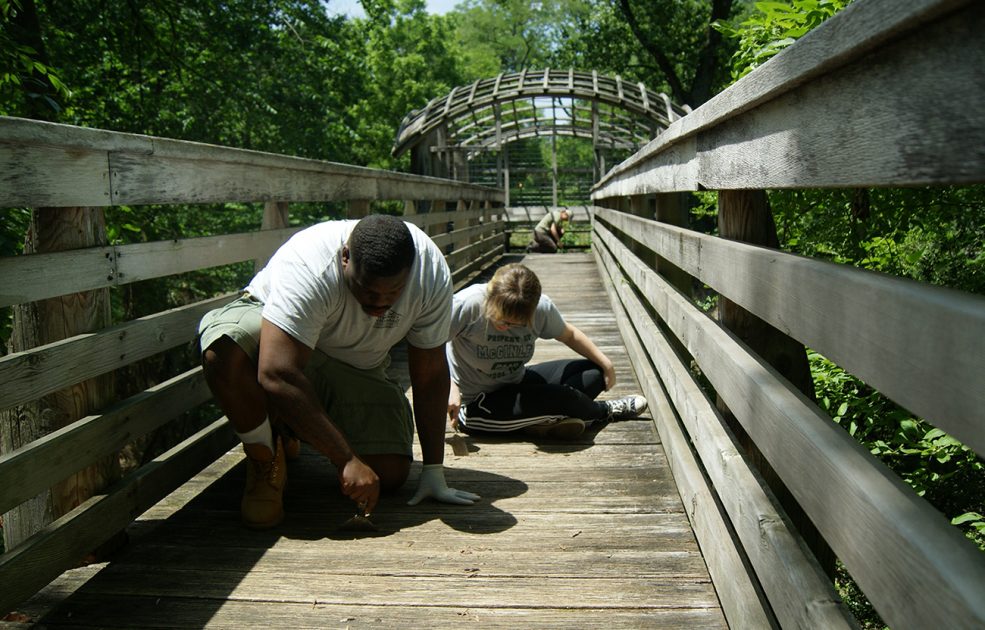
(567, 535)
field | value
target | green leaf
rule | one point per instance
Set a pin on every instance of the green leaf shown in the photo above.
(967, 517)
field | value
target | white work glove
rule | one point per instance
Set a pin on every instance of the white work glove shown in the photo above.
(433, 485)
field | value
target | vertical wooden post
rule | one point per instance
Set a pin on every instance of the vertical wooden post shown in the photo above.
(554, 170)
(639, 206)
(357, 208)
(671, 208)
(48, 321)
(275, 216)
(744, 215)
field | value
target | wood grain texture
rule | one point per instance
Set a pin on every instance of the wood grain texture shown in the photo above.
(28, 375)
(927, 569)
(908, 340)
(69, 449)
(52, 164)
(836, 109)
(567, 534)
(799, 592)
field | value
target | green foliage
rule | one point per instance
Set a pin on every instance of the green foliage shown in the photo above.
(772, 27)
(21, 69)
(933, 234)
(678, 56)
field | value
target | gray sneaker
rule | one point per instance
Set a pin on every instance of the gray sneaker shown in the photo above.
(628, 407)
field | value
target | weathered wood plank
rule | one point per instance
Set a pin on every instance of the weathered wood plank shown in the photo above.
(743, 602)
(52, 177)
(843, 486)
(908, 340)
(191, 612)
(28, 375)
(61, 545)
(69, 449)
(144, 170)
(37, 276)
(881, 47)
(800, 593)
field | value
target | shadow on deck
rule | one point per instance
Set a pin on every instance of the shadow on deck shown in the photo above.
(574, 534)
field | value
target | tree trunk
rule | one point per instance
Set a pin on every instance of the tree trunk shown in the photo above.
(744, 215)
(44, 322)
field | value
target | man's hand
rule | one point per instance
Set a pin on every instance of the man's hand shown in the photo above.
(433, 485)
(361, 484)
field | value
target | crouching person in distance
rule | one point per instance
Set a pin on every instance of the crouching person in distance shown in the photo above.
(303, 352)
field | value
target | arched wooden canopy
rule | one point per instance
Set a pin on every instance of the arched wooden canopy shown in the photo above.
(466, 134)
(499, 110)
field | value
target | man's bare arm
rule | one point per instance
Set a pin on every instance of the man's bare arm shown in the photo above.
(429, 378)
(292, 399)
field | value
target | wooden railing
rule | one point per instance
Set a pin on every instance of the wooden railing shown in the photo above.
(56, 166)
(849, 105)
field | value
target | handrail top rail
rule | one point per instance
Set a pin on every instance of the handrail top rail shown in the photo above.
(23, 131)
(858, 29)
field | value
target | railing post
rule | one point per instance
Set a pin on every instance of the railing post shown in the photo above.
(275, 216)
(639, 206)
(357, 208)
(48, 321)
(671, 208)
(745, 215)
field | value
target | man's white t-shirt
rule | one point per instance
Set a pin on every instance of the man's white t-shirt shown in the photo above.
(304, 294)
(483, 359)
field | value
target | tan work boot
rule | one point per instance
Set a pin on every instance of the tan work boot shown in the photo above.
(266, 476)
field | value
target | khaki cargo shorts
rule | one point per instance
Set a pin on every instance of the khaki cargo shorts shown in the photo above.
(370, 409)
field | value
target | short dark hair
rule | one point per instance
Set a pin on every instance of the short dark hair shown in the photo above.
(381, 245)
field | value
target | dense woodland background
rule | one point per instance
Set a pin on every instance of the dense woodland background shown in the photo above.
(288, 77)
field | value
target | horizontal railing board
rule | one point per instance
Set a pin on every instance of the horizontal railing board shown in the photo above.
(52, 176)
(461, 236)
(738, 591)
(156, 259)
(800, 593)
(33, 277)
(31, 374)
(63, 543)
(913, 342)
(443, 217)
(787, 125)
(928, 573)
(68, 450)
(60, 165)
(484, 254)
(490, 237)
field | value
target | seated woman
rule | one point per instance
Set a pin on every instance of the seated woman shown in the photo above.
(493, 331)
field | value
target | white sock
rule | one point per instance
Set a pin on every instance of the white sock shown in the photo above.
(263, 434)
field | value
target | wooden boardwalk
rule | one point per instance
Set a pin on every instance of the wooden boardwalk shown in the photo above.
(567, 535)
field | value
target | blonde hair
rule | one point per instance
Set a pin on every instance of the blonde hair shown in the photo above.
(512, 294)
